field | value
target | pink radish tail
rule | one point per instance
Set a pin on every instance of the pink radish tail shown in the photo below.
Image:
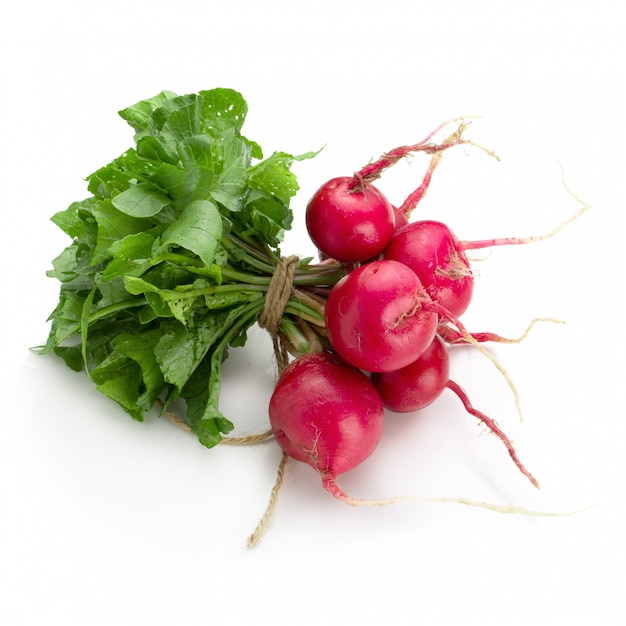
(328, 482)
(493, 428)
(413, 199)
(453, 336)
(374, 170)
(516, 241)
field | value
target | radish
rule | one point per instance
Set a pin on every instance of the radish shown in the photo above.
(326, 413)
(378, 317)
(434, 253)
(420, 383)
(349, 221)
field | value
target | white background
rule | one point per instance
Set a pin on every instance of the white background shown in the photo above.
(108, 521)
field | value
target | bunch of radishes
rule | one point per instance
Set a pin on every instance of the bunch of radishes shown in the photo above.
(389, 322)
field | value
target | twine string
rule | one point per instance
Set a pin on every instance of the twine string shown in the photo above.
(279, 291)
(280, 476)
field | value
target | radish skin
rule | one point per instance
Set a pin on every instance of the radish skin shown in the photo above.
(431, 250)
(379, 318)
(348, 221)
(326, 413)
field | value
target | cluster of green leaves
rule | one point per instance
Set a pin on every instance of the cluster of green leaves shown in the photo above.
(149, 298)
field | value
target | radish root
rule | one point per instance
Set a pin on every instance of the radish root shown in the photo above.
(333, 488)
(452, 336)
(468, 338)
(500, 368)
(493, 427)
(512, 241)
(488, 243)
(373, 171)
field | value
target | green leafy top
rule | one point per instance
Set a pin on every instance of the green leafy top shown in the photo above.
(171, 255)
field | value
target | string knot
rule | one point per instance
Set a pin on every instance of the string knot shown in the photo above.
(279, 291)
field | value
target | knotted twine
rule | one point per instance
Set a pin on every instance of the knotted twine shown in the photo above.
(279, 290)
(278, 293)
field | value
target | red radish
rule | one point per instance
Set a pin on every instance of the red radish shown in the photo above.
(349, 221)
(326, 413)
(420, 383)
(433, 252)
(378, 317)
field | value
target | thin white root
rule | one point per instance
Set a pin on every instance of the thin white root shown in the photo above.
(467, 337)
(498, 508)
(500, 368)
(538, 319)
(585, 205)
(487, 151)
(530, 327)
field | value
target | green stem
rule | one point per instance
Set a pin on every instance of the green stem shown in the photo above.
(294, 335)
(232, 274)
(248, 314)
(309, 275)
(313, 302)
(114, 308)
(267, 268)
(251, 256)
(212, 289)
(317, 278)
(303, 310)
(312, 334)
